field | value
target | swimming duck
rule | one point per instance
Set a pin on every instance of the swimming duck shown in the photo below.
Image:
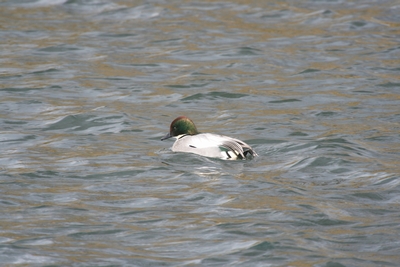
(189, 140)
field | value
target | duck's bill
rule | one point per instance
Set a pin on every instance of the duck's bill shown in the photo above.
(166, 136)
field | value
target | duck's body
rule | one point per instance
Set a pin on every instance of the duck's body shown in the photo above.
(189, 140)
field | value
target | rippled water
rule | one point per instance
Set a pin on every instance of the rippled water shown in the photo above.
(88, 88)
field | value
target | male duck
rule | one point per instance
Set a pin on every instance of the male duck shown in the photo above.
(189, 140)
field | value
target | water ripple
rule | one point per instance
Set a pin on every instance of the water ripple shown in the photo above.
(88, 88)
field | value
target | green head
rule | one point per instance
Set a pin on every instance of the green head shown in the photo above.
(181, 125)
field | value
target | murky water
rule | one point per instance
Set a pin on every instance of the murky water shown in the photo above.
(88, 88)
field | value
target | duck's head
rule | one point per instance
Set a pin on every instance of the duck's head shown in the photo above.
(180, 126)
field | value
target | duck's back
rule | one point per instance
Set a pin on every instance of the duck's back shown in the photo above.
(213, 145)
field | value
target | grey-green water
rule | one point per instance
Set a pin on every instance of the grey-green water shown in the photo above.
(88, 88)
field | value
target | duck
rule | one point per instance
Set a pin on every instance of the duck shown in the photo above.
(189, 140)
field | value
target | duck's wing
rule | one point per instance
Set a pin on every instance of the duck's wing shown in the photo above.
(233, 148)
(237, 148)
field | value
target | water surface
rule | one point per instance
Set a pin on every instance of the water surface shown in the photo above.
(88, 88)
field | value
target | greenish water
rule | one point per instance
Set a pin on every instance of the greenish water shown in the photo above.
(88, 88)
